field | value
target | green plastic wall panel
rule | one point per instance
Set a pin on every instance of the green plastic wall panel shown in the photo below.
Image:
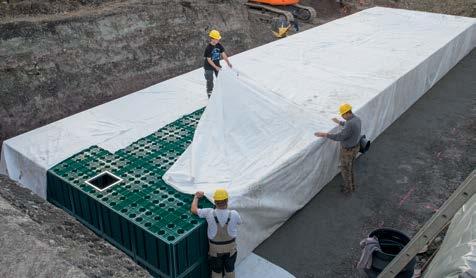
(141, 214)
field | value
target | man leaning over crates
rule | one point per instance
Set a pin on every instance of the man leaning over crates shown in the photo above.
(222, 232)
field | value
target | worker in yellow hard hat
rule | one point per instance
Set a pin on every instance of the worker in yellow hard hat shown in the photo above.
(281, 27)
(349, 137)
(213, 53)
(222, 232)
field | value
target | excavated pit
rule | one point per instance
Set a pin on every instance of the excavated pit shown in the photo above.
(59, 57)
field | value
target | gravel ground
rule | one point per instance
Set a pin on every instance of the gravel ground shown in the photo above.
(38, 239)
(409, 172)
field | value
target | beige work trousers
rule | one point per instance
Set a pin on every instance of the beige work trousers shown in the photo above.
(347, 158)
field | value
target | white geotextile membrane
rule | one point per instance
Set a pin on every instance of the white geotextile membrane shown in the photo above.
(255, 137)
(456, 257)
(254, 266)
(380, 60)
(112, 126)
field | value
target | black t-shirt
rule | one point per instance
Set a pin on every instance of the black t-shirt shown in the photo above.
(214, 52)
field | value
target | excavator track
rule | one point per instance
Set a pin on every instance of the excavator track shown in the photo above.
(288, 15)
(305, 13)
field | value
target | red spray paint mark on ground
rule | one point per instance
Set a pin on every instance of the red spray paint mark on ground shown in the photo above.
(406, 196)
(431, 207)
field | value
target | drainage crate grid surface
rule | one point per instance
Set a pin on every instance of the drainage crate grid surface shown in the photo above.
(131, 206)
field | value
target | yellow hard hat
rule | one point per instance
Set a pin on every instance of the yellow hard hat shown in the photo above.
(344, 108)
(220, 195)
(214, 34)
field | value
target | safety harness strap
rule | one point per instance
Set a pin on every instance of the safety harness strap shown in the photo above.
(227, 220)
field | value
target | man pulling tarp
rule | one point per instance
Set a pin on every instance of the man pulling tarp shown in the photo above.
(256, 135)
(349, 138)
(222, 231)
(213, 53)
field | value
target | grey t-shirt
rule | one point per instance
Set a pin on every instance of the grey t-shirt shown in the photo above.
(349, 136)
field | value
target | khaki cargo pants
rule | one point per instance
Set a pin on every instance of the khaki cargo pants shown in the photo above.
(347, 157)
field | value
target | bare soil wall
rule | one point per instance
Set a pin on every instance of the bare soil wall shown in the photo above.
(55, 65)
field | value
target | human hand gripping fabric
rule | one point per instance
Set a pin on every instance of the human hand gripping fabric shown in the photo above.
(199, 194)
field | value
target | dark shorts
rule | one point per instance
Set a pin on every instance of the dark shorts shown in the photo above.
(222, 262)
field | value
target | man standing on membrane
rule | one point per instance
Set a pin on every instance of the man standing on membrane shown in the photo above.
(213, 53)
(222, 232)
(349, 138)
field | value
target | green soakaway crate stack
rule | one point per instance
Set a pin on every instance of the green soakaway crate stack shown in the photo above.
(140, 214)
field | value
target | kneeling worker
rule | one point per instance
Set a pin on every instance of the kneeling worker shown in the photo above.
(222, 231)
(349, 138)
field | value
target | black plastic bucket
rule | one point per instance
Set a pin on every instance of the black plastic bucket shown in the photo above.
(391, 242)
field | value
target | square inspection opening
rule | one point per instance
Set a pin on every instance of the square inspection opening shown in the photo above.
(103, 181)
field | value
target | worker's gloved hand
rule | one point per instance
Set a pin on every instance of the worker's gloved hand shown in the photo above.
(335, 120)
(230, 65)
(199, 194)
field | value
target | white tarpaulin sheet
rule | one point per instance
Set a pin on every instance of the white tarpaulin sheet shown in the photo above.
(256, 136)
(380, 60)
(253, 266)
(111, 126)
(457, 255)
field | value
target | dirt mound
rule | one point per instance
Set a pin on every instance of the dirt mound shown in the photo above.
(325, 9)
(38, 239)
(12, 8)
(453, 7)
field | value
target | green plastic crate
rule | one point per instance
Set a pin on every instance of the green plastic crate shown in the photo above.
(140, 214)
